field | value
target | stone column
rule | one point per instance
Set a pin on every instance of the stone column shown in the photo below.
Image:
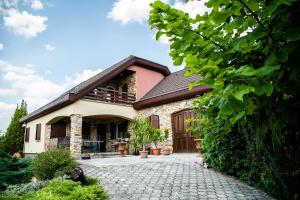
(47, 136)
(76, 135)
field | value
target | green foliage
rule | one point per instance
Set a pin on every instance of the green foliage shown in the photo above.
(247, 53)
(13, 140)
(64, 190)
(157, 135)
(21, 189)
(140, 133)
(53, 163)
(14, 171)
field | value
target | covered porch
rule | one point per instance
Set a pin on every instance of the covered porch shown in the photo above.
(88, 135)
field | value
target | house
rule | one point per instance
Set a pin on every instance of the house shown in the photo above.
(95, 114)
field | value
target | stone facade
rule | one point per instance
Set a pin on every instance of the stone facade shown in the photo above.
(76, 134)
(164, 112)
(47, 136)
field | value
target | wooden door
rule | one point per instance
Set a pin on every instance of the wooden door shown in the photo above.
(101, 135)
(183, 139)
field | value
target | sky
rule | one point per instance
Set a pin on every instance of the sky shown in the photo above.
(49, 46)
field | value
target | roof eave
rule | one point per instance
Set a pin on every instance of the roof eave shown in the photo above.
(171, 97)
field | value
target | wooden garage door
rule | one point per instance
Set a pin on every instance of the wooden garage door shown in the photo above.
(183, 140)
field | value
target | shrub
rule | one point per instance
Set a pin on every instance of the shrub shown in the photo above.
(14, 171)
(53, 163)
(25, 188)
(68, 190)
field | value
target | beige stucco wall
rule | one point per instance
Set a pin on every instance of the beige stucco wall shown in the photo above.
(164, 112)
(82, 107)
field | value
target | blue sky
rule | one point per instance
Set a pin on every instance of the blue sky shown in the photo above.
(49, 46)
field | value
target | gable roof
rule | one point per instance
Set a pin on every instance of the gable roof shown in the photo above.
(174, 87)
(83, 88)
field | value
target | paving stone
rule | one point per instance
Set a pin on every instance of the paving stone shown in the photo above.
(173, 177)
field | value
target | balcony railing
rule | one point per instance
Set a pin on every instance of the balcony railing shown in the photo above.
(59, 142)
(113, 96)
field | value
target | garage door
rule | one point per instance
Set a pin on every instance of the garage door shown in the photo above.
(183, 139)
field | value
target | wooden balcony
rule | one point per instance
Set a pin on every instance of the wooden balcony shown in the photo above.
(112, 96)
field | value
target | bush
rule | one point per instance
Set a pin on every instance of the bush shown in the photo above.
(53, 163)
(14, 171)
(68, 190)
(25, 188)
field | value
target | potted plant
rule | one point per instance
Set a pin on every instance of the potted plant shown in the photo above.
(158, 136)
(140, 134)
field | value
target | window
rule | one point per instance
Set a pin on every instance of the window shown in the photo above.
(38, 132)
(58, 129)
(121, 130)
(27, 133)
(154, 120)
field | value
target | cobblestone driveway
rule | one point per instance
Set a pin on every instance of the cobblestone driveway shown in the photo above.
(177, 176)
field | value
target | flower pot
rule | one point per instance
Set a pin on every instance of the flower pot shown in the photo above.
(126, 151)
(121, 146)
(144, 154)
(156, 151)
(197, 143)
(17, 155)
(167, 152)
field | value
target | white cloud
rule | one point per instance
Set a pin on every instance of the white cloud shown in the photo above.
(193, 8)
(6, 106)
(49, 47)
(82, 76)
(26, 83)
(127, 11)
(35, 89)
(7, 92)
(24, 23)
(48, 72)
(1, 46)
(36, 5)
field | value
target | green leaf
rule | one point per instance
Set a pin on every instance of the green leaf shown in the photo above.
(245, 71)
(158, 35)
(242, 90)
(178, 61)
(264, 89)
(237, 117)
(267, 70)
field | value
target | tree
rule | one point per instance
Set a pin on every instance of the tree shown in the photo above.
(247, 52)
(13, 140)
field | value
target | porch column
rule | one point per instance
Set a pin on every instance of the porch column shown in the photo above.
(76, 135)
(47, 136)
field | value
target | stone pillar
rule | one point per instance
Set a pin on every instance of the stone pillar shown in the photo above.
(47, 136)
(76, 135)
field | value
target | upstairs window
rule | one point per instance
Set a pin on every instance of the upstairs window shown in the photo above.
(38, 132)
(27, 133)
(154, 120)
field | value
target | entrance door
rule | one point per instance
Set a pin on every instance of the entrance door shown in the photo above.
(183, 139)
(101, 135)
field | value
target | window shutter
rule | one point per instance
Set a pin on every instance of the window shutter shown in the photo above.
(38, 132)
(154, 120)
(27, 133)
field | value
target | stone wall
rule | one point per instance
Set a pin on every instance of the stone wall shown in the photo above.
(76, 135)
(47, 136)
(164, 112)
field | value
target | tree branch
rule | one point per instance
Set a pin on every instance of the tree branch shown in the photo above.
(206, 38)
(259, 22)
